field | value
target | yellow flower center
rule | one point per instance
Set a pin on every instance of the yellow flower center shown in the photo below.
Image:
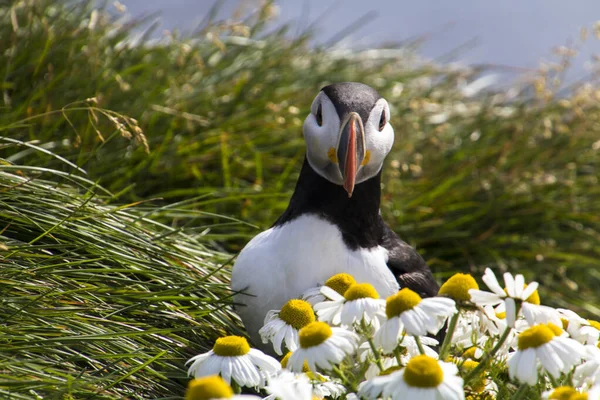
(535, 337)
(423, 372)
(478, 384)
(555, 329)
(470, 353)
(340, 282)
(469, 364)
(594, 324)
(562, 393)
(534, 298)
(579, 396)
(286, 358)
(565, 323)
(207, 388)
(402, 301)
(457, 287)
(231, 346)
(501, 315)
(361, 291)
(297, 313)
(314, 334)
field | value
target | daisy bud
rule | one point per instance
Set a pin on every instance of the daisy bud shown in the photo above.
(340, 282)
(457, 287)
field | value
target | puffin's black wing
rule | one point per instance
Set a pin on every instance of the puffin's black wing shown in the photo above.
(408, 266)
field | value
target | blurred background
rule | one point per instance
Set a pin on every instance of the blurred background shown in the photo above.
(511, 35)
(137, 157)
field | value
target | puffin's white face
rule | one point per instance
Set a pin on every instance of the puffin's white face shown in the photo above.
(343, 146)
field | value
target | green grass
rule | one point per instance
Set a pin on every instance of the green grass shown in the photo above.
(100, 301)
(129, 173)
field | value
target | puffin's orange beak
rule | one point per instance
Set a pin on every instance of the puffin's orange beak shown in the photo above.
(351, 150)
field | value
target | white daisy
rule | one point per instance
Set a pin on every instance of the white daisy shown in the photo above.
(289, 386)
(232, 358)
(322, 385)
(533, 312)
(425, 378)
(580, 329)
(372, 388)
(515, 290)
(322, 346)
(407, 311)
(475, 328)
(588, 373)
(213, 388)
(328, 388)
(594, 392)
(360, 302)
(543, 345)
(339, 282)
(284, 324)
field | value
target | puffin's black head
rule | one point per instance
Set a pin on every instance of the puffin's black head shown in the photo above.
(347, 133)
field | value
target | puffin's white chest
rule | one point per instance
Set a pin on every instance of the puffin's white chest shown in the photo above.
(281, 263)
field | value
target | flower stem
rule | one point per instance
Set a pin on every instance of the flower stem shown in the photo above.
(398, 356)
(519, 393)
(448, 339)
(235, 387)
(376, 353)
(340, 374)
(373, 347)
(553, 380)
(419, 345)
(487, 357)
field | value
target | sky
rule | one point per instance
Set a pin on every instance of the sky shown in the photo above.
(509, 33)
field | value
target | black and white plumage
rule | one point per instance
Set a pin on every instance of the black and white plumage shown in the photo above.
(332, 223)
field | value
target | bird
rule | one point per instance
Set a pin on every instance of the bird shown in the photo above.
(333, 222)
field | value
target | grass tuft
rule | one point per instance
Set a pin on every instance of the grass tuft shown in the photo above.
(100, 301)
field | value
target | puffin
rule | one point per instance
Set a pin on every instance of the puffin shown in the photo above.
(333, 222)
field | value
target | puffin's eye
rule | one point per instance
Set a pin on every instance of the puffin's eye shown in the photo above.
(382, 121)
(319, 115)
